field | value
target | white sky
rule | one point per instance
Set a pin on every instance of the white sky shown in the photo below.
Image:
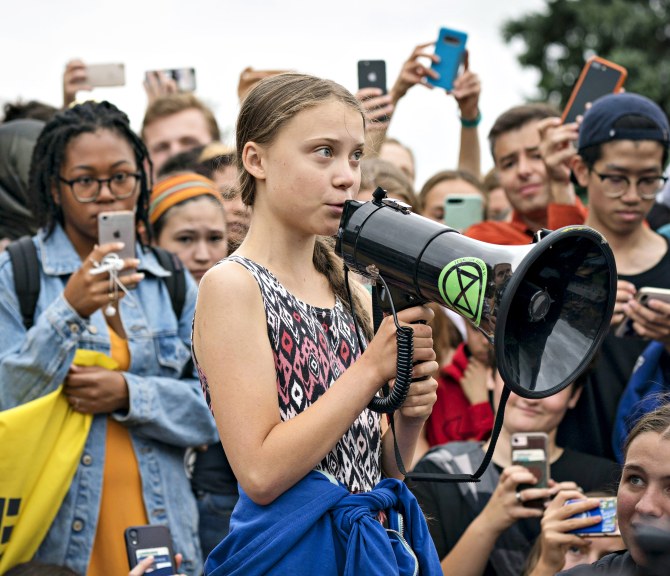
(221, 38)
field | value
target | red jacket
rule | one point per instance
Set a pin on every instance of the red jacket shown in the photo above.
(453, 417)
(516, 232)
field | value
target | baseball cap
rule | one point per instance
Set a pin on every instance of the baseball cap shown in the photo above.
(600, 121)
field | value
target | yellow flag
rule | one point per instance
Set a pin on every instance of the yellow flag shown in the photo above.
(41, 443)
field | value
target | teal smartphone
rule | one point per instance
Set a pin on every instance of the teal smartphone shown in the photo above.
(450, 47)
(463, 210)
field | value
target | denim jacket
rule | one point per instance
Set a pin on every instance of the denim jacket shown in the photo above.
(167, 412)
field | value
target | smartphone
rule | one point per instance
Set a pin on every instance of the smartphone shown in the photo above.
(599, 77)
(450, 47)
(183, 77)
(106, 74)
(608, 526)
(625, 329)
(372, 74)
(118, 227)
(143, 541)
(463, 210)
(529, 449)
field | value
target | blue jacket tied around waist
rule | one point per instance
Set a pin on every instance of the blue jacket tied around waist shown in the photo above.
(318, 527)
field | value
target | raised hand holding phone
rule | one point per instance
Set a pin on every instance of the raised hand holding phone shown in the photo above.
(450, 49)
(599, 77)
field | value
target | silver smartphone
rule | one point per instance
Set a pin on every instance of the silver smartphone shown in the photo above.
(118, 227)
(625, 329)
(106, 74)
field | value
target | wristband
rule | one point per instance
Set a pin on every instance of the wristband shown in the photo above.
(471, 123)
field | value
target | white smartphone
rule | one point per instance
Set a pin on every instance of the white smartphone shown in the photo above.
(106, 74)
(625, 329)
(118, 227)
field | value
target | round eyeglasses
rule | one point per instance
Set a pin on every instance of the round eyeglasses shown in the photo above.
(87, 189)
(616, 185)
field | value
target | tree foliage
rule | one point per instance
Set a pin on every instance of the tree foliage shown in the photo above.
(632, 33)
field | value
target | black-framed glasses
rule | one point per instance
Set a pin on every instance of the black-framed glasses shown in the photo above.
(122, 185)
(616, 185)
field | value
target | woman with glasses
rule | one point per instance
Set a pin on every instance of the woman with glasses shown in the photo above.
(147, 410)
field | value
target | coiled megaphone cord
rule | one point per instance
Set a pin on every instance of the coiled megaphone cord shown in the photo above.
(405, 343)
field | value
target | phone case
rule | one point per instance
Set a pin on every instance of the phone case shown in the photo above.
(608, 526)
(625, 329)
(143, 541)
(463, 210)
(599, 77)
(372, 74)
(106, 74)
(529, 449)
(183, 77)
(118, 227)
(450, 47)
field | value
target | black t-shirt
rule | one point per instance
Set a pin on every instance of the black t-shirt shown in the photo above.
(212, 472)
(588, 428)
(448, 515)
(616, 564)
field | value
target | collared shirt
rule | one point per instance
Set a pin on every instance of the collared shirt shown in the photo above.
(516, 232)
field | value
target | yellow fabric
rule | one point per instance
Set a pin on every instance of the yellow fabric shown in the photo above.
(41, 442)
(121, 482)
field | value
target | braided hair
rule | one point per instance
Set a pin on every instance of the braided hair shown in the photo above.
(49, 155)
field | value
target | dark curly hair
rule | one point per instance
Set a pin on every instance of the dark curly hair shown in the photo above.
(49, 155)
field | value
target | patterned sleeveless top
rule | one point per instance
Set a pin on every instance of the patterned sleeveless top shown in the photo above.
(312, 347)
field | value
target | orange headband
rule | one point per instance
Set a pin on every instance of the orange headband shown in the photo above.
(175, 189)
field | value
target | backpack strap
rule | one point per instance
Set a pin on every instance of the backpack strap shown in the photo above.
(176, 282)
(26, 269)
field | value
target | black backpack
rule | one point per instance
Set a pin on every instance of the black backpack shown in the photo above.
(26, 268)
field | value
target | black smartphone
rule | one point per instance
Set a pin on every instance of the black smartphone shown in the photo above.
(599, 77)
(529, 449)
(372, 74)
(144, 541)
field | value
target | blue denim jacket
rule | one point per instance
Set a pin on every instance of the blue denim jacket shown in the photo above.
(167, 411)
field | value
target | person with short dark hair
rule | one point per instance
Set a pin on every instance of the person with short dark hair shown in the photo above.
(530, 150)
(31, 110)
(622, 149)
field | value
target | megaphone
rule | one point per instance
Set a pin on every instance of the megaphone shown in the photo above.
(545, 307)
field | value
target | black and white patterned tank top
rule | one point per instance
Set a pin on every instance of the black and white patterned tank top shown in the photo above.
(312, 347)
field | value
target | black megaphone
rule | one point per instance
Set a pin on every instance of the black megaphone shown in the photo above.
(545, 307)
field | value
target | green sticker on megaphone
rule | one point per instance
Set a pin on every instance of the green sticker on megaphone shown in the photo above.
(462, 285)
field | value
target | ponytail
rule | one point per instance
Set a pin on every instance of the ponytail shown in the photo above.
(330, 265)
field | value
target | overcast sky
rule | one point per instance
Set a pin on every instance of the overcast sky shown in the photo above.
(220, 38)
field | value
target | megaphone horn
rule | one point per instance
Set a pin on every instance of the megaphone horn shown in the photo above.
(546, 307)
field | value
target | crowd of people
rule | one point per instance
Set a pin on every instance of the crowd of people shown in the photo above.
(235, 364)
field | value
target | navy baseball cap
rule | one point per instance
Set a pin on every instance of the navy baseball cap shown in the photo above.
(600, 121)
